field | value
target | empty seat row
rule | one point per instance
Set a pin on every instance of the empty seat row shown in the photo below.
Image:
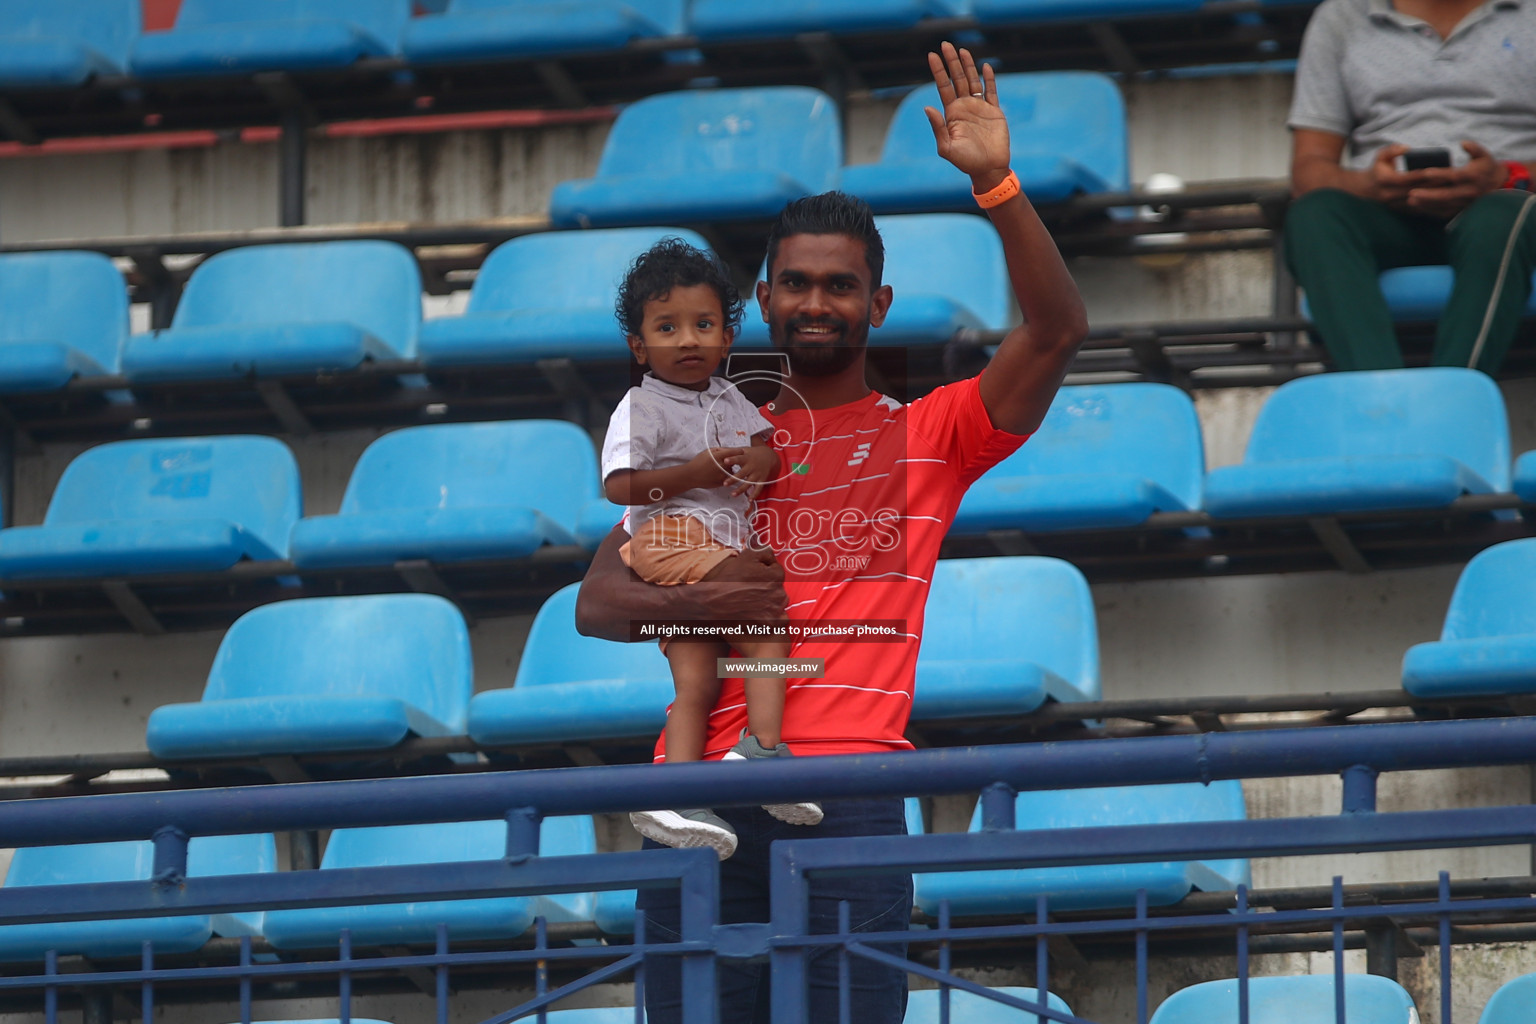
(364, 673)
(65, 314)
(744, 153)
(61, 43)
(444, 493)
(1107, 456)
(1112, 455)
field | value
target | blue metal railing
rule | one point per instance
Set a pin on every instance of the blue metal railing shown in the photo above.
(1357, 753)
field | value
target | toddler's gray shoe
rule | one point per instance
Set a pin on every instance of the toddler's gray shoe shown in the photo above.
(749, 749)
(684, 828)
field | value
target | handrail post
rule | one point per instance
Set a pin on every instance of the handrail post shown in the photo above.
(523, 832)
(997, 806)
(1359, 789)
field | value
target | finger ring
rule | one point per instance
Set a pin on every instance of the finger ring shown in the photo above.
(978, 95)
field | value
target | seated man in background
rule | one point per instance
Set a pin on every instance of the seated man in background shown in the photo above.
(1378, 78)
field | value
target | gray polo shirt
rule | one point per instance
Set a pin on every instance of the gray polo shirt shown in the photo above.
(1377, 76)
(658, 425)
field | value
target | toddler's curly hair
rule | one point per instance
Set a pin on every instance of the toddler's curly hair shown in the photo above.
(673, 263)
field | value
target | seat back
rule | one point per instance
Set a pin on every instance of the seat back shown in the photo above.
(550, 465)
(76, 299)
(1148, 431)
(565, 270)
(790, 129)
(556, 653)
(373, 285)
(456, 841)
(384, 19)
(666, 15)
(1442, 410)
(1368, 999)
(983, 609)
(1078, 115)
(133, 861)
(250, 481)
(413, 647)
(923, 1006)
(448, 842)
(1493, 596)
(1512, 1003)
(1158, 804)
(955, 255)
(107, 26)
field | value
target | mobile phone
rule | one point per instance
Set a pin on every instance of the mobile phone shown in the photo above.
(1419, 159)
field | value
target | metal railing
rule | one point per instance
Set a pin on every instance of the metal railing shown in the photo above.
(1356, 753)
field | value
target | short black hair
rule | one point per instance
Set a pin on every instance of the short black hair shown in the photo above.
(831, 213)
(673, 263)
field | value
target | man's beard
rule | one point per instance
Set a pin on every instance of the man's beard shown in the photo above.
(820, 360)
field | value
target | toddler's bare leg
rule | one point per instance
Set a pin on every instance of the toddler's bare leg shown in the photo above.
(765, 695)
(698, 687)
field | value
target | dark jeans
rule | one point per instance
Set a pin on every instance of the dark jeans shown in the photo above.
(876, 903)
(1337, 243)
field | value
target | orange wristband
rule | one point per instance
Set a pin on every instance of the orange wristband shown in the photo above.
(1005, 191)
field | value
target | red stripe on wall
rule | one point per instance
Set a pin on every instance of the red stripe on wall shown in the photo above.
(418, 125)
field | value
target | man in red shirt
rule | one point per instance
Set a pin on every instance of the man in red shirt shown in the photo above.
(871, 488)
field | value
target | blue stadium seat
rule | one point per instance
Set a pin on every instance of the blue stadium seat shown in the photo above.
(1488, 643)
(123, 862)
(470, 920)
(947, 272)
(62, 314)
(267, 310)
(326, 673)
(614, 911)
(995, 12)
(1512, 1003)
(1368, 999)
(222, 37)
(545, 296)
(1107, 455)
(571, 687)
(728, 154)
(1524, 481)
(193, 504)
(454, 492)
(1068, 132)
(731, 19)
(480, 30)
(62, 43)
(1368, 440)
(1096, 886)
(923, 1006)
(1003, 635)
(1420, 293)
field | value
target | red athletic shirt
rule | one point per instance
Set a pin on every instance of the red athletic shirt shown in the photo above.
(869, 491)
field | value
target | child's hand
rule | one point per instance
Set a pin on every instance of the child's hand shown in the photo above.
(758, 464)
(711, 467)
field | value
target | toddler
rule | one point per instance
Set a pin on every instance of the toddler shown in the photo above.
(687, 453)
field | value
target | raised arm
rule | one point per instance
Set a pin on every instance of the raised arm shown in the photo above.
(746, 588)
(972, 133)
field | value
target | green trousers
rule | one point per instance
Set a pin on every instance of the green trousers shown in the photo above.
(1336, 245)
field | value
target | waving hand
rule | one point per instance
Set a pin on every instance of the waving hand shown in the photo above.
(971, 132)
